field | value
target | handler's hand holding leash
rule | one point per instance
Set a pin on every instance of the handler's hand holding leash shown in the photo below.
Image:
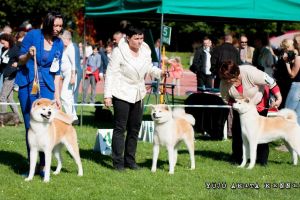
(276, 103)
(32, 51)
(107, 102)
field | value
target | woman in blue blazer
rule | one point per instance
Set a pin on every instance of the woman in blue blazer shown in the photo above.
(48, 48)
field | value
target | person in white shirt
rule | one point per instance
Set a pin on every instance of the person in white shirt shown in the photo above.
(125, 90)
(68, 68)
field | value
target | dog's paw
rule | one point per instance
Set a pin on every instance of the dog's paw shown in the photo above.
(250, 167)
(242, 165)
(56, 172)
(46, 180)
(171, 172)
(80, 174)
(28, 179)
(153, 169)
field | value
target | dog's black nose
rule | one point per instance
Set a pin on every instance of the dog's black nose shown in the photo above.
(49, 112)
(154, 115)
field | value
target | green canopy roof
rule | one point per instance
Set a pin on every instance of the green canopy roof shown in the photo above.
(286, 10)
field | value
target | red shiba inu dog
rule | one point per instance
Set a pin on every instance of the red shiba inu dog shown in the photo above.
(49, 130)
(171, 127)
(258, 129)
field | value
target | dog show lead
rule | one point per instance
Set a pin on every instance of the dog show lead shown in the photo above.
(45, 44)
(246, 81)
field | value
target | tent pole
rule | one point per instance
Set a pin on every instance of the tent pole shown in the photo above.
(161, 64)
(161, 35)
(83, 67)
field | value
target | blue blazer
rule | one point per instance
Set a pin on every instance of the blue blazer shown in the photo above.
(25, 74)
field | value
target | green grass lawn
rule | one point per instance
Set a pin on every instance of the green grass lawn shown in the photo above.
(100, 181)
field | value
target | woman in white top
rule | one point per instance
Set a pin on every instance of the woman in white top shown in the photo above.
(125, 89)
(68, 67)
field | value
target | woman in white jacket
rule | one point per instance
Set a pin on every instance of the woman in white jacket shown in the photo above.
(125, 89)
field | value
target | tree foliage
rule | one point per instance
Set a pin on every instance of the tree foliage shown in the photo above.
(16, 11)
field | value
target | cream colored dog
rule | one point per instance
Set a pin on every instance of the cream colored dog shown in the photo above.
(171, 127)
(49, 129)
(258, 129)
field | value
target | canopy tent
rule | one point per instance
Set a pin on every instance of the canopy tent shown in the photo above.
(279, 10)
(285, 10)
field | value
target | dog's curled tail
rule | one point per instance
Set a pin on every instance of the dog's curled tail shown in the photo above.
(190, 119)
(288, 114)
(180, 113)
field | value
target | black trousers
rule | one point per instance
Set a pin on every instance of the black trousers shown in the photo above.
(127, 117)
(237, 142)
(204, 80)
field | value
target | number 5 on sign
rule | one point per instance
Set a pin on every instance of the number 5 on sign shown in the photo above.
(166, 34)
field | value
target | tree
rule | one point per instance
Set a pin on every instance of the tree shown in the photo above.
(15, 12)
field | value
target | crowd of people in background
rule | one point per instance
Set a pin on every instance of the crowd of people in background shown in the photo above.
(207, 59)
(88, 70)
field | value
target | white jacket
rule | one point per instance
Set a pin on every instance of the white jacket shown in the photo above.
(125, 75)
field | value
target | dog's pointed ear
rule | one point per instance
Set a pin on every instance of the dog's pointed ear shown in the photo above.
(35, 103)
(53, 103)
(151, 106)
(60, 115)
(243, 99)
(168, 107)
(247, 100)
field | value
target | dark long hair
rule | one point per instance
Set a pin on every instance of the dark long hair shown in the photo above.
(48, 22)
(229, 70)
(9, 38)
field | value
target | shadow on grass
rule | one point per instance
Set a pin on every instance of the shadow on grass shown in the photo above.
(96, 157)
(148, 163)
(106, 161)
(220, 156)
(15, 161)
(90, 120)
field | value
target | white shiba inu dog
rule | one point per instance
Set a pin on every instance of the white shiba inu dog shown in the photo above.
(171, 127)
(257, 129)
(49, 129)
